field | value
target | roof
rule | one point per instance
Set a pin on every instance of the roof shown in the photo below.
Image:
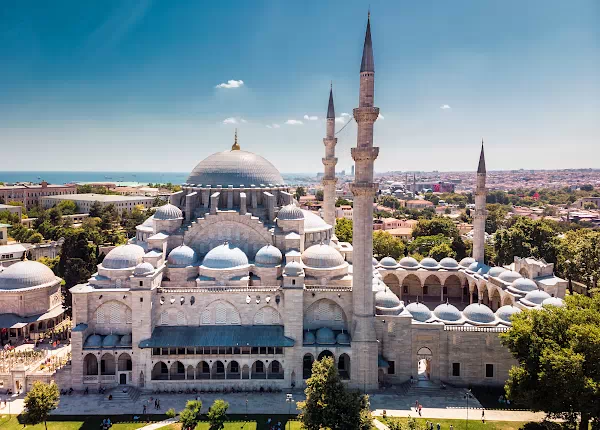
(80, 327)
(233, 335)
(16, 321)
(481, 166)
(330, 108)
(5, 225)
(103, 198)
(15, 247)
(368, 63)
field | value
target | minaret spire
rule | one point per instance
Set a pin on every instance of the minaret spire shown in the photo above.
(368, 63)
(329, 162)
(330, 108)
(480, 210)
(481, 167)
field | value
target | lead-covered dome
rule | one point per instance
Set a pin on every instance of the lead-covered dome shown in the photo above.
(142, 269)
(322, 256)
(182, 256)
(553, 301)
(226, 256)
(466, 262)
(524, 285)
(496, 271)
(235, 168)
(309, 338)
(325, 336)
(537, 296)
(293, 268)
(168, 212)
(509, 276)
(123, 257)
(268, 256)
(479, 313)
(447, 312)
(313, 222)
(290, 212)
(408, 263)
(388, 262)
(343, 338)
(506, 312)
(386, 299)
(26, 274)
(429, 263)
(419, 311)
(448, 263)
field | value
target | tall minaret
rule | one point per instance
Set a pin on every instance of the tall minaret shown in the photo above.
(480, 210)
(329, 179)
(364, 341)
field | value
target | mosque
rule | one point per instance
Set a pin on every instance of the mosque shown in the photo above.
(232, 286)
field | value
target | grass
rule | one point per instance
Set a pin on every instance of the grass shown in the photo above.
(254, 422)
(474, 424)
(91, 422)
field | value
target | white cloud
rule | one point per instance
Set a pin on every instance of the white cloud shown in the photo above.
(232, 83)
(293, 122)
(273, 126)
(445, 107)
(233, 120)
(311, 118)
(343, 118)
(243, 121)
(380, 117)
(345, 114)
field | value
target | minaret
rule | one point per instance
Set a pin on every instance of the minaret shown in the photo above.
(364, 341)
(329, 162)
(480, 211)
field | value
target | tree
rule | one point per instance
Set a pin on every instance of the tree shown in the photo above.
(558, 351)
(52, 263)
(526, 238)
(300, 191)
(590, 205)
(440, 251)
(329, 404)
(95, 210)
(55, 216)
(40, 401)
(191, 414)
(496, 217)
(436, 226)
(36, 238)
(340, 201)
(319, 195)
(217, 414)
(343, 229)
(386, 245)
(424, 244)
(67, 207)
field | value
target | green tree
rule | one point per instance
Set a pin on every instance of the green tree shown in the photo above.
(329, 404)
(52, 263)
(55, 216)
(423, 244)
(319, 195)
(340, 201)
(343, 229)
(386, 245)
(300, 191)
(96, 210)
(40, 401)
(191, 414)
(496, 217)
(526, 238)
(36, 238)
(436, 226)
(558, 351)
(67, 207)
(440, 251)
(217, 414)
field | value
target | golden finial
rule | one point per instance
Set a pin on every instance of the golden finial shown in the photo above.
(235, 146)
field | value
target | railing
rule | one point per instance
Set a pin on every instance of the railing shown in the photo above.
(90, 379)
(108, 378)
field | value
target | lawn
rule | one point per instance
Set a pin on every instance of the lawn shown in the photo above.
(254, 422)
(74, 423)
(474, 424)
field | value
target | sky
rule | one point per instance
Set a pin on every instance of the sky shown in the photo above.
(148, 85)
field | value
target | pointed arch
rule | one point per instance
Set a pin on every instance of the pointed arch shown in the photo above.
(267, 315)
(325, 313)
(220, 312)
(112, 312)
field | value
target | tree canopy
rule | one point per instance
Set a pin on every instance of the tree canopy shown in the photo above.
(217, 414)
(526, 238)
(386, 245)
(40, 401)
(191, 414)
(343, 229)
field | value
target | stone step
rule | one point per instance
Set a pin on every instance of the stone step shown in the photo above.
(130, 395)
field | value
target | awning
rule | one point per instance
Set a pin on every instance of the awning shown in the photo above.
(226, 336)
(382, 362)
(16, 321)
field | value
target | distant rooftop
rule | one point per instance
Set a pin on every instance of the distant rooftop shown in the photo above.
(99, 198)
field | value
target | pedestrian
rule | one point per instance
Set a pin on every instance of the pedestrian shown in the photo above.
(483, 416)
(416, 405)
(427, 424)
(451, 427)
(438, 426)
(144, 412)
(158, 403)
(411, 380)
(421, 407)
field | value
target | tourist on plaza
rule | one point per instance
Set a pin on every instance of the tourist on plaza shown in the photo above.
(483, 416)
(421, 407)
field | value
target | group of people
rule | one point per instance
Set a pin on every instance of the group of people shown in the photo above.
(272, 426)
(106, 424)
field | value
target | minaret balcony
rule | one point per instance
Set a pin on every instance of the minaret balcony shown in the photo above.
(330, 141)
(328, 162)
(365, 154)
(327, 181)
(366, 114)
(364, 188)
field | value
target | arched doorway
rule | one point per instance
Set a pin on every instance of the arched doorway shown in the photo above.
(495, 300)
(411, 288)
(160, 372)
(190, 372)
(202, 370)
(275, 370)
(245, 372)
(326, 353)
(124, 368)
(307, 362)
(90, 365)
(424, 357)
(393, 284)
(142, 380)
(177, 372)
(344, 366)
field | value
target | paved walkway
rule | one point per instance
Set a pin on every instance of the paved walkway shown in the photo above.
(457, 413)
(159, 424)
(380, 425)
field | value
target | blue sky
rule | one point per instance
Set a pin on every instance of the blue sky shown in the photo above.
(113, 85)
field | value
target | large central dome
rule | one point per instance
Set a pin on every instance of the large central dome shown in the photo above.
(235, 168)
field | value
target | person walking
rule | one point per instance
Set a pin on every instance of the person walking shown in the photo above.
(416, 405)
(483, 416)
(421, 407)
(144, 412)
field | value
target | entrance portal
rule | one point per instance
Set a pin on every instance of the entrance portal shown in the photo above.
(123, 378)
(424, 357)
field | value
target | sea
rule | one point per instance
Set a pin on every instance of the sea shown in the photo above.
(122, 178)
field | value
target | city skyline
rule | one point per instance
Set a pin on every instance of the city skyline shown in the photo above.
(133, 79)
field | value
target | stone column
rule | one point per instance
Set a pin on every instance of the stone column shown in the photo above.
(230, 197)
(242, 203)
(214, 202)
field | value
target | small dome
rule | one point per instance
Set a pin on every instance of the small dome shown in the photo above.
(479, 313)
(553, 301)
(322, 256)
(343, 338)
(182, 256)
(325, 336)
(537, 296)
(93, 341)
(429, 263)
(419, 311)
(386, 299)
(479, 268)
(449, 263)
(26, 274)
(290, 212)
(110, 341)
(506, 312)
(378, 284)
(268, 255)
(149, 222)
(142, 269)
(496, 271)
(509, 276)
(524, 284)
(408, 263)
(168, 212)
(293, 268)
(375, 263)
(226, 256)
(125, 340)
(313, 222)
(388, 262)
(447, 312)
(123, 257)
(466, 262)
(309, 338)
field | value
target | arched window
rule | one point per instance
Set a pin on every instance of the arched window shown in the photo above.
(202, 370)
(307, 363)
(258, 370)
(160, 371)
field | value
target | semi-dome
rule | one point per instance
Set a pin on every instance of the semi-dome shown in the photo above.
(322, 256)
(168, 212)
(479, 313)
(123, 257)
(290, 212)
(388, 262)
(386, 299)
(313, 222)
(496, 271)
(293, 268)
(125, 340)
(235, 168)
(182, 256)
(537, 296)
(26, 274)
(93, 341)
(226, 256)
(419, 311)
(429, 263)
(325, 336)
(448, 263)
(408, 263)
(509, 276)
(553, 301)
(309, 338)
(110, 341)
(142, 269)
(506, 312)
(343, 338)
(466, 262)
(268, 255)
(524, 284)
(447, 312)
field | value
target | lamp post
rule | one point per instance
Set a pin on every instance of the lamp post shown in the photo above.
(246, 408)
(289, 399)
(467, 396)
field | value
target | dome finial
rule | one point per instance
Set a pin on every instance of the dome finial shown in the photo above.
(236, 145)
